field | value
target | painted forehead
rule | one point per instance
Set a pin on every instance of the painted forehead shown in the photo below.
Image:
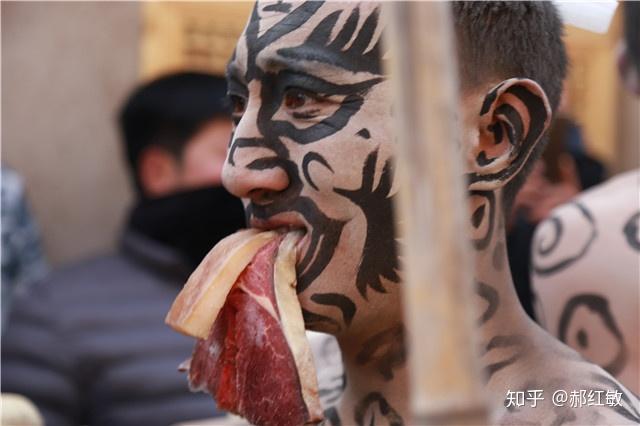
(319, 37)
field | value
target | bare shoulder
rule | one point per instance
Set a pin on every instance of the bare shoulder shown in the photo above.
(584, 395)
(592, 240)
(554, 385)
(618, 197)
(585, 275)
(624, 183)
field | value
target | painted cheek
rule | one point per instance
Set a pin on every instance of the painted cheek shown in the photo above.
(319, 176)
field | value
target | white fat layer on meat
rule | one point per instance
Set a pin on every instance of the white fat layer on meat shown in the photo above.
(197, 305)
(284, 279)
(260, 300)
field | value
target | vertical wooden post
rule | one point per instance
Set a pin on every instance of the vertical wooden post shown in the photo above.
(433, 217)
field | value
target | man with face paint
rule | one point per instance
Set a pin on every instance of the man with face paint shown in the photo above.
(313, 147)
(88, 345)
(587, 254)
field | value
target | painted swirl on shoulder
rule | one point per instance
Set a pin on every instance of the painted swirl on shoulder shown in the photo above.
(577, 334)
(631, 231)
(551, 252)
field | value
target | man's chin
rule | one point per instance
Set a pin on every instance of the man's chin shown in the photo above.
(316, 317)
(323, 326)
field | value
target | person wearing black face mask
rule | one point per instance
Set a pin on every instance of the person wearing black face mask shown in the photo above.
(176, 132)
(89, 344)
(190, 222)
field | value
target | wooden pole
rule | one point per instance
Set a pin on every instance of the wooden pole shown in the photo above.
(433, 217)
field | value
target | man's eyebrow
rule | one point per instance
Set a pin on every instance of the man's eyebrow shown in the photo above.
(300, 64)
(315, 54)
(233, 72)
(277, 63)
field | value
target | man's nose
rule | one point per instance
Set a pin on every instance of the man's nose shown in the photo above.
(252, 171)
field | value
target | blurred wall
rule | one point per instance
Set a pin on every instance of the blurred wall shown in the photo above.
(187, 35)
(593, 88)
(607, 113)
(66, 67)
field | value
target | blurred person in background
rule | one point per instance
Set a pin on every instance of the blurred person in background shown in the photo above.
(586, 257)
(89, 345)
(23, 260)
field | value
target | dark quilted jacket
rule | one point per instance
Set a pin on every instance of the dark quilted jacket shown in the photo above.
(89, 345)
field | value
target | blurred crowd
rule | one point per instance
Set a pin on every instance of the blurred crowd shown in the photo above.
(87, 343)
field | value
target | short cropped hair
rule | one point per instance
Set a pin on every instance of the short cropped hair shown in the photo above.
(499, 40)
(168, 112)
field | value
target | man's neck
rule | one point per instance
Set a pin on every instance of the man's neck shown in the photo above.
(375, 361)
(506, 335)
(376, 371)
(497, 305)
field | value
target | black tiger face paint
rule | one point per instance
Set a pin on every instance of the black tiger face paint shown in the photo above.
(312, 149)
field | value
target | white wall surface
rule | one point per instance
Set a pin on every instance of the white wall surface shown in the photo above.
(66, 67)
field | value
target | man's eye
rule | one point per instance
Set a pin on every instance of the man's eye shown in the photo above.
(296, 98)
(239, 104)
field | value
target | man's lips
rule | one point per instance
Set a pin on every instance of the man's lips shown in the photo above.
(287, 222)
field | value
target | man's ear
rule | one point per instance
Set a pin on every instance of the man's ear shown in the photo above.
(513, 118)
(158, 172)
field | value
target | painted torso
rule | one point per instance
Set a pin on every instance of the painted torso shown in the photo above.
(586, 260)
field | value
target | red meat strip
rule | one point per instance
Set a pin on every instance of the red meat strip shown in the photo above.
(246, 363)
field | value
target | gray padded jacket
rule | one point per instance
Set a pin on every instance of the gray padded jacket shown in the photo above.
(89, 345)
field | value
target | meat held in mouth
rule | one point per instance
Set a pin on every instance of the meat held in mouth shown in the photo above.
(252, 354)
